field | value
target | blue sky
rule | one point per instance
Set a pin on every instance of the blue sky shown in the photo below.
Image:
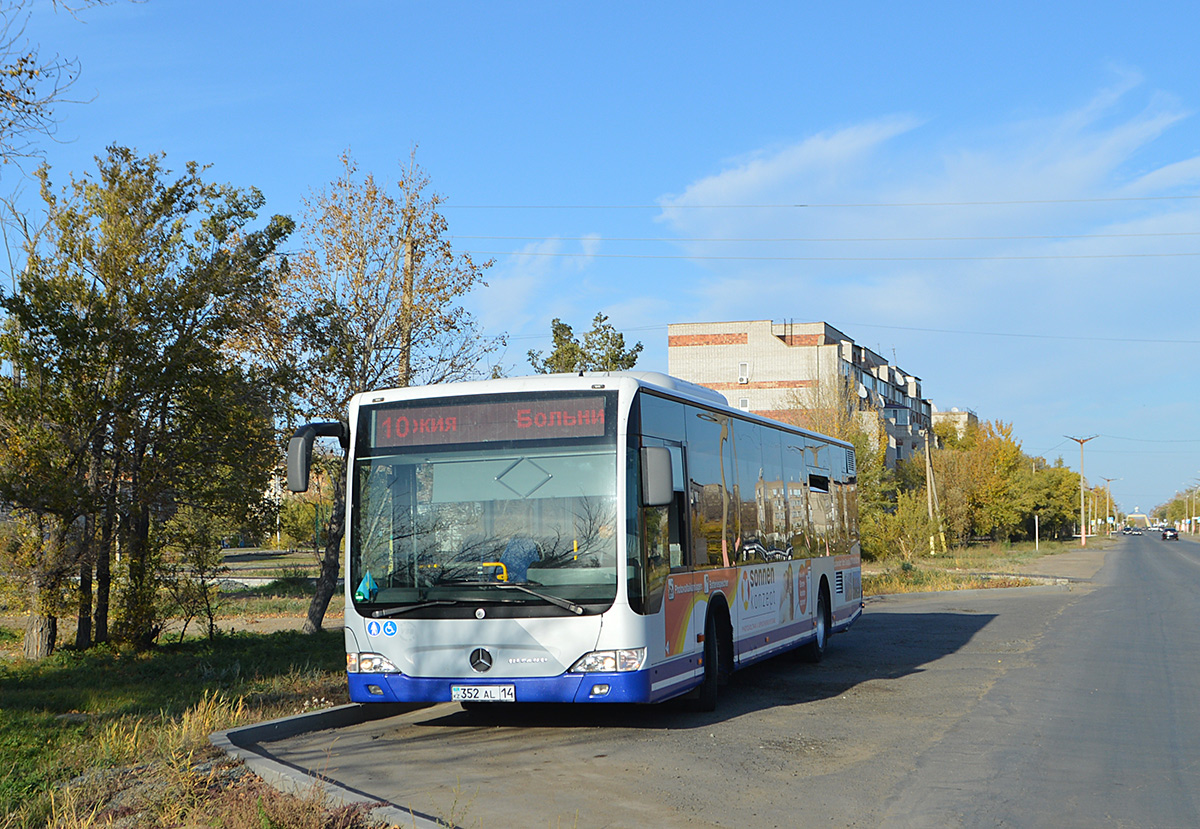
(1004, 197)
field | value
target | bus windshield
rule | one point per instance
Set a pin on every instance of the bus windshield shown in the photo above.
(509, 500)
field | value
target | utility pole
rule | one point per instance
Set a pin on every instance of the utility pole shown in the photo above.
(1108, 501)
(935, 511)
(1082, 508)
(929, 496)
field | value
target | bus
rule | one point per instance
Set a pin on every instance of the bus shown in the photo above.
(601, 537)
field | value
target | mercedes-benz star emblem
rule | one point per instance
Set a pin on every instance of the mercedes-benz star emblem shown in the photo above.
(481, 661)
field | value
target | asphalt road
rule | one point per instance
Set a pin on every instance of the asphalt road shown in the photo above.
(1069, 706)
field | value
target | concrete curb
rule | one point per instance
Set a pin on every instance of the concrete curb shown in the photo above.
(243, 744)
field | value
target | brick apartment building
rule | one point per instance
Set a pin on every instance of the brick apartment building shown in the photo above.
(766, 368)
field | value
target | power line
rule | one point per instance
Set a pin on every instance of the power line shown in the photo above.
(956, 332)
(994, 203)
(1151, 440)
(1022, 336)
(707, 258)
(816, 239)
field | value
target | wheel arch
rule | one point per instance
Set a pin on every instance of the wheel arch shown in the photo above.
(718, 608)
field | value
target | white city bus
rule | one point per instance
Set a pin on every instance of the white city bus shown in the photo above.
(602, 537)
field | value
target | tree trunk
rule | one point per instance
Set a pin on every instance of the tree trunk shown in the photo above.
(41, 634)
(330, 563)
(406, 337)
(139, 624)
(83, 624)
(103, 563)
(41, 631)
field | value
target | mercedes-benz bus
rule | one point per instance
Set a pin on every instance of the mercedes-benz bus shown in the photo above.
(600, 537)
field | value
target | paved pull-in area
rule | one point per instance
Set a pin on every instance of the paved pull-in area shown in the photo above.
(869, 737)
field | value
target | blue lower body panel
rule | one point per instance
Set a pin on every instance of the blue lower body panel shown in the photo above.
(622, 687)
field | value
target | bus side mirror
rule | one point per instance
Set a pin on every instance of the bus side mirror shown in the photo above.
(658, 489)
(299, 456)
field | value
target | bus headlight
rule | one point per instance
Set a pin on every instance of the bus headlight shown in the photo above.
(608, 662)
(369, 663)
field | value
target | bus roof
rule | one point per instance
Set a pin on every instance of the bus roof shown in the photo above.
(564, 380)
(672, 386)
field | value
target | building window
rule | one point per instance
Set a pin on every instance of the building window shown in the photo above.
(744, 404)
(743, 372)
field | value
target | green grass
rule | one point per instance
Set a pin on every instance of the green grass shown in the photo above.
(286, 596)
(32, 747)
(287, 584)
(79, 711)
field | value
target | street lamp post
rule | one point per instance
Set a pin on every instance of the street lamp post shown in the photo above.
(1082, 509)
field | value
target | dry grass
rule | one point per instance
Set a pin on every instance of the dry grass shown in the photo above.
(113, 739)
(248, 604)
(216, 792)
(908, 578)
(965, 568)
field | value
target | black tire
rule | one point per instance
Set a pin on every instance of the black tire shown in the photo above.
(706, 699)
(815, 650)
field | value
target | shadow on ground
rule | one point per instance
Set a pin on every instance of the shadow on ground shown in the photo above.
(879, 646)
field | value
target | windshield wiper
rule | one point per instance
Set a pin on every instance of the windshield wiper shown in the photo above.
(396, 611)
(546, 597)
(565, 604)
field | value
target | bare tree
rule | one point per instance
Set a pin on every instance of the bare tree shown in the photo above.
(32, 83)
(377, 298)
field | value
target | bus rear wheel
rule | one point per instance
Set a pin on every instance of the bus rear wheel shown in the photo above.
(815, 650)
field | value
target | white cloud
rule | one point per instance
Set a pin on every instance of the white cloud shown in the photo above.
(796, 173)
(528, 285)
(1054, 234)
(976, 229)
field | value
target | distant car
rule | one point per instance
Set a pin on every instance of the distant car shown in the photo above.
(1170, 534)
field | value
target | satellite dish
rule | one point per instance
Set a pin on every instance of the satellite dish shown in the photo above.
(862, 391)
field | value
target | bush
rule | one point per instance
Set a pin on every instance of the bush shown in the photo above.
(903, 533)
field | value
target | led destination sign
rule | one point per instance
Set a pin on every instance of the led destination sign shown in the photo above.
(496, 420)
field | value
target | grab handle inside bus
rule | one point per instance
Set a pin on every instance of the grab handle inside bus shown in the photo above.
(658, 488)
(299, 456)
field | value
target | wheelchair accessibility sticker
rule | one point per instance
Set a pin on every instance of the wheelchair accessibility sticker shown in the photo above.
(388, 628)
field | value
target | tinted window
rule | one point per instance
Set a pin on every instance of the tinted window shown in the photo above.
(710, 466)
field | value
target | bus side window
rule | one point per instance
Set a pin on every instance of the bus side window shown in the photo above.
(710, 467)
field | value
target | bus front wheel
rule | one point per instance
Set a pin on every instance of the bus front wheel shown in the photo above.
(706, 700)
